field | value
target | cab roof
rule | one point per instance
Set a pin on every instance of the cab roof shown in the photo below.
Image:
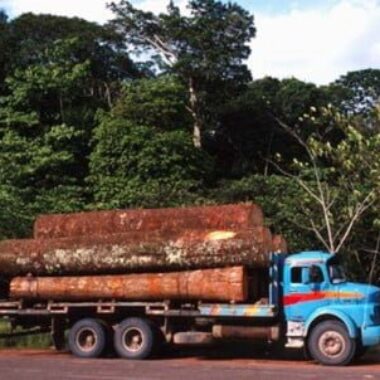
(309, 257)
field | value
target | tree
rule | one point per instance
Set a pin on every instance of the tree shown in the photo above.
(156, 102)
(41, 151)
(50, 88)
(136, 166)
(143, 154)
(250, 134)
(30, 36)
(4, 57)
(341, 181)
(15, 216)
(362, 91)
(205, 49)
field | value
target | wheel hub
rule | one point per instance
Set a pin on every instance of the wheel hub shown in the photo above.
(133, 339)
(86, 339)
(331, 343)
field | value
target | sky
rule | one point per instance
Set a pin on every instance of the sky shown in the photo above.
(313, 40)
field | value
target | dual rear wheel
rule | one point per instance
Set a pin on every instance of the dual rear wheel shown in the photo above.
(133, 338)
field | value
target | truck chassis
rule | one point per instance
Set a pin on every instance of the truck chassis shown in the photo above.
(94, 325)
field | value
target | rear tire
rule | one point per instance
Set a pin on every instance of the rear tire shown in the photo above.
(134, 339)
(87, 338)
(330, 344)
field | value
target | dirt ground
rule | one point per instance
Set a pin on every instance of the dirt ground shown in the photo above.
(183, 364)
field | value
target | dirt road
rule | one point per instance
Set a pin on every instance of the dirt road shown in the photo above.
(200, 365)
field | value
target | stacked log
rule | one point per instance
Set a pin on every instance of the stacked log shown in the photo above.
(226, 217)
(228, 284)
(279, 244)
(182, 253)
(135, 252)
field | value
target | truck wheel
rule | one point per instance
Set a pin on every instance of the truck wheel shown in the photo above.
(330, 344)
(87, 338)
(134, 338)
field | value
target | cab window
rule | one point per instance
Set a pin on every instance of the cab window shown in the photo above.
(296, 275)
(305, 275)
(315, 274)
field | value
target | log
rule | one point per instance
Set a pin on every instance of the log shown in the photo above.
(135, 252)
(241, 216)
(279, 244)
(229, 284)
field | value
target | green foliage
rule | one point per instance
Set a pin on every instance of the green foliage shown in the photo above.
(30, 341)
(4, 48)
(250, 131)
(158, 102)
(205, 49)
(210, 43)
(136, 166)
(38, 149)
(15, 217)
(342, 181)
(48, 90)
(40, 167)
(31, 35)
(361, 91)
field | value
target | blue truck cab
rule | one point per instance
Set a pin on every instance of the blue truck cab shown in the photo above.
(334, 319)
(312, 306)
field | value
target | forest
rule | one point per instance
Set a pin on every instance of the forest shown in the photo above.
(161, 110)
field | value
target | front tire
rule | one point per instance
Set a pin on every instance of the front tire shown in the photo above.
(134, 339)
(330, 344)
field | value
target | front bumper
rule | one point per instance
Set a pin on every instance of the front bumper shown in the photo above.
(370, 335)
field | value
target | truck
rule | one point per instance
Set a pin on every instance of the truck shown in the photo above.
(299, 301)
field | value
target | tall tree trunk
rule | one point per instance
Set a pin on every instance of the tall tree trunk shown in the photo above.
(61, 108)
(194, 110)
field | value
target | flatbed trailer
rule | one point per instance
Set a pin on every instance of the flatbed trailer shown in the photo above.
(57, 316)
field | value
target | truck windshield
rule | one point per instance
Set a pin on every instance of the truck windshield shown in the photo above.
(336, 273)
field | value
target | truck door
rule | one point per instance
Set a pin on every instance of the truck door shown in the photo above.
(305, 290)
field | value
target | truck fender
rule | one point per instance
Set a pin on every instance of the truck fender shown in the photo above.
(324, 313)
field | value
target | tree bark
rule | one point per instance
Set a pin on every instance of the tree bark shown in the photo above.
(194, 111)
(280, 245)
(61, 109)
(241, 216)
(228, 284)
(137, 252)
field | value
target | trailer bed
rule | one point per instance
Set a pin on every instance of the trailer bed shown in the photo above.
(165, 308)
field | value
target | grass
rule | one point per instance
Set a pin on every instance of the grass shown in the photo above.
(29, 341)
